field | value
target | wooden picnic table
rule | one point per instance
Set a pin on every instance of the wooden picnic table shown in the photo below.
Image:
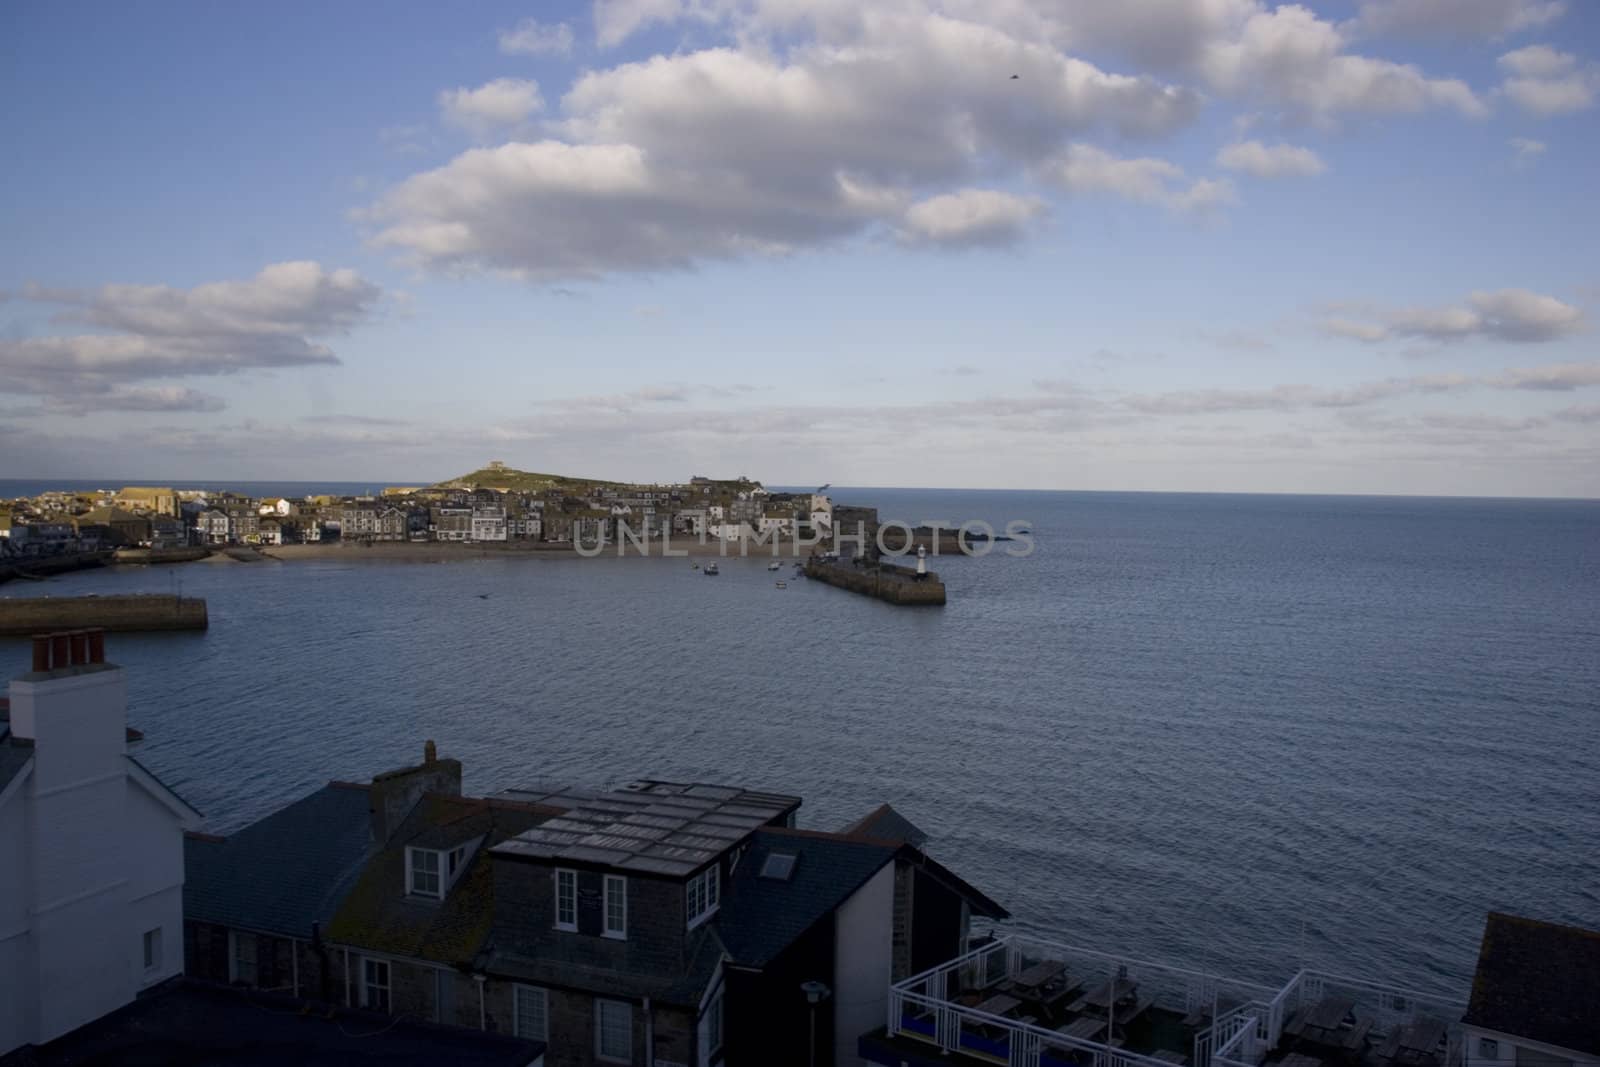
(998, 1004)
(1299, 1059)
(1416, 1042)
(1330, 1012)
(1039, 974)
(1088, 1029)
(1108, 993)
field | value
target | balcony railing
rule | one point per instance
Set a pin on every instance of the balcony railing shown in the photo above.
(1234, 1023)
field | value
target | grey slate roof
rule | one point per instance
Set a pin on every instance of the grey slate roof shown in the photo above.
(288, 870)
(1540, 981)
(887, 824)
(760, 917)
(190, 1022)
(665, 828)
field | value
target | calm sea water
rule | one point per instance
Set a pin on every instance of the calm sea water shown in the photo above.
(1237, 732)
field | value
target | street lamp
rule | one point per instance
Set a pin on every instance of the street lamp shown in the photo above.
(816, 992)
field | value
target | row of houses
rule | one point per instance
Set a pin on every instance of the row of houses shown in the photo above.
(52, 525)
(660, 924)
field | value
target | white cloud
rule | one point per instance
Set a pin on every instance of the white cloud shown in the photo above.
(531, 37)
(157, 332)
(497, 104)
(972, 217)
(1543, 81)
(1527, 150)
(730, 151)
(1083, 168)
(1290, 56)
(1515, 315)
(1455, 18)
(617, 20)
(1270, 161)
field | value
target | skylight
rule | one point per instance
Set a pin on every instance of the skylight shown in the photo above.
(778, 866)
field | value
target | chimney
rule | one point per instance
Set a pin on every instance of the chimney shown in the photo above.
(74, 707)
(392, 795)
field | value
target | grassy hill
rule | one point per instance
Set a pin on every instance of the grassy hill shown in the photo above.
(500, 477)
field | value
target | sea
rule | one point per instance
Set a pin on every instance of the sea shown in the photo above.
(1239, 733)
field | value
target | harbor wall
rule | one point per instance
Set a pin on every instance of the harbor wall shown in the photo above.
(37, 568)
(159, 555)
(119, 613)
(896, 585)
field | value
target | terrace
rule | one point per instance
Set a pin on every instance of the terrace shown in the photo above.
(1026, 1002)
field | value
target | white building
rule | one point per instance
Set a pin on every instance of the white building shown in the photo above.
(488, 524)
(91, 846)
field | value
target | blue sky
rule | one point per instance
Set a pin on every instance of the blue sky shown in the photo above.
(1195, 244)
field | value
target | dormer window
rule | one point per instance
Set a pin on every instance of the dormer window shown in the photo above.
(422, 874)
(701, 894)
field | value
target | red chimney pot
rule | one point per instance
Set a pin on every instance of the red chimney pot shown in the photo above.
(97, 646)
(41, 652)
(78, 641)
(60, 651)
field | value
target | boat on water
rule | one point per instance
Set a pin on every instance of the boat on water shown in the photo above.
(694, 566)
(782, 584)
(774, 565)
(711, 568)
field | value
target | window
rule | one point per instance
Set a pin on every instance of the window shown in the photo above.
(375, 984)
(152, 949)
(778, 866)
(613, 1031)
(458, 855)
(701, 894)
(1488, 1048)
(711, 1029)
(241, 958)
(531, 1013)
(616, 906)
(422, 873)
(566, 900)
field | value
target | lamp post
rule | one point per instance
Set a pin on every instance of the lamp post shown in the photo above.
(816, 992)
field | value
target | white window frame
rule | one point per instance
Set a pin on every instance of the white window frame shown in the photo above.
(412, 889)
(368, 986)
(571, 878)
(152, 950)
(614, 885)
(518, 1024)
(711, 1027)
(455, 859)
(701, 895)
(235, 939)
(600, 1007)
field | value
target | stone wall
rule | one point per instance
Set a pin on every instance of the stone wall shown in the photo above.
(122, 613)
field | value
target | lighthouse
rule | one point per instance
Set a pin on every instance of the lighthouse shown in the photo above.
(922, 562)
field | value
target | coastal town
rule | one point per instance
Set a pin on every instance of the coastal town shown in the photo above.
(495, 505)
(405, 919)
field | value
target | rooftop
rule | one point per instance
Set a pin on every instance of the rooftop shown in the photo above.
(664, 828)
(1538, 980)
(190, 1022)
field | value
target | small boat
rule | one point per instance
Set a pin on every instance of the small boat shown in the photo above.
(774, 565)
(694, 566)
(711, 568)
(782, 584)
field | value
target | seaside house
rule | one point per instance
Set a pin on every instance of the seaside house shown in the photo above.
(1535, 997)
(489, 523)
(213, 526)
(91, 846)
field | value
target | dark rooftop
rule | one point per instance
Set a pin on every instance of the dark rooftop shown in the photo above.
(762, 916)
(667, 828)
(314, 849)
(887, 824)
(1540, 981)
(189, 1022)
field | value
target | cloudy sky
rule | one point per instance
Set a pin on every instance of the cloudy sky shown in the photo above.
(1157, 244)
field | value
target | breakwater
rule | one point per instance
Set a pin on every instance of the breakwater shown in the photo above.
(39, 568)
(120, 613)
(159, 555)
(886, 581)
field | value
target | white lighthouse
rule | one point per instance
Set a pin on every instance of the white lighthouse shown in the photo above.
(922, 562)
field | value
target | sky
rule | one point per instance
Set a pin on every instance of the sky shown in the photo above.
(1205, 245)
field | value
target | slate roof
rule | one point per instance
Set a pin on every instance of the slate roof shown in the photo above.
(191, 1022)
(760, 917)
(378, 915)
(1540, 981)
(889, 825)
(284, 872)
(667, 828)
